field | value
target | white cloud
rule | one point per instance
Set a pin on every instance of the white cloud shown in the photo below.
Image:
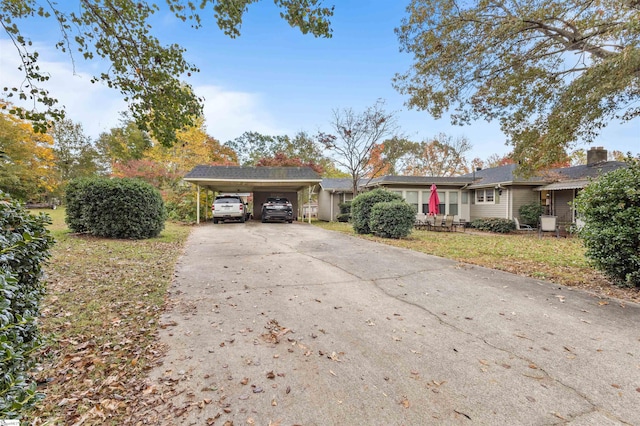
(228, 114)
(95, 106)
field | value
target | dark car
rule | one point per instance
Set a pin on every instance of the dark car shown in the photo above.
(277, 208)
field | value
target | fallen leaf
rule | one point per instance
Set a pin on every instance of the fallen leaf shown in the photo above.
(616, 386)
(244, 381)
(405, 402)
(271, 375)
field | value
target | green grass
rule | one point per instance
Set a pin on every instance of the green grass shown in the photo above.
(560, 260)
(101, 312)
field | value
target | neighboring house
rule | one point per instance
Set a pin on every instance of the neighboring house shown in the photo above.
(310, 210)
(494, 192)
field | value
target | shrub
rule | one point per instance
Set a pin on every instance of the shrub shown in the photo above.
(392, 219)
(494, 224)
(530, 213)
(362, 204)
(24, 247)
(345, 208)
(610, 208)
(116, 208)
(345, 212)
(74, 204)
(343, 217)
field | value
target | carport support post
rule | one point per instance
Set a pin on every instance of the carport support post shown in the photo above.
(309, 204)
(198, 205)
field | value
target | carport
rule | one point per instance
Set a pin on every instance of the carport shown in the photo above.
(263, 182)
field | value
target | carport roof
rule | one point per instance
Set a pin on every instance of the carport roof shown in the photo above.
(250, 179)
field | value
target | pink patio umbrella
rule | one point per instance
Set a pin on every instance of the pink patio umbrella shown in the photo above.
(434, 201)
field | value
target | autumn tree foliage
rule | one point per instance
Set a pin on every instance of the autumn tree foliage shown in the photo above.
(442, 155)
(116, 35)
(552, 72)
(27, 168)
(164, 167)
(282, 160)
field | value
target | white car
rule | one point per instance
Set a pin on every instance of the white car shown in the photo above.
(229, 207)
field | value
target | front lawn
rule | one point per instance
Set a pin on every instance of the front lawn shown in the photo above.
(559, 260)
(101, 311)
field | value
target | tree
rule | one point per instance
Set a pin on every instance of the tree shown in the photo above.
(75, 155)
(282, 160)
(136, 63)
(442, 155)
(552, 72)
(610, 209)
(124, 143)
(26, 171)
(251, 147)
(356, 136)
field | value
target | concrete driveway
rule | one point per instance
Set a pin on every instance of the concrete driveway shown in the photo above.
(295, 325)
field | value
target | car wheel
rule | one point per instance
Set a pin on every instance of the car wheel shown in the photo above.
(215, 221)
(290, 221)
(263, 219)
(242, 219)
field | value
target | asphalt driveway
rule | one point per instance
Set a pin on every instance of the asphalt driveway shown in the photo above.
(295, 325)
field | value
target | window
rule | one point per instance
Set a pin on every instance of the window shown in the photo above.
(453, 203)
(485, 196)
(465, 197)
(411, 198)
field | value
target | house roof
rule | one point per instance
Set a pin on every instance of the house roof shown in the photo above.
(259, 173)
(337, 184)
(506, 174)
(502, 174)
(589, 170)
(249, 179)
(419, 180)
(567, 184)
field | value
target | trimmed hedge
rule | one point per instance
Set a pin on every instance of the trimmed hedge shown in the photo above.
(494, 224)
(610, 208)
(530, 213)
(392, 219)
(24, 247)
(345, 212)
(362, 204)
(115, 208)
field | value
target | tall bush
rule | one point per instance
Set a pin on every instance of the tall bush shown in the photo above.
(530, 213)
(362, 204)
(116, 208)
(393, 219)
(610, 209)
(24, 247)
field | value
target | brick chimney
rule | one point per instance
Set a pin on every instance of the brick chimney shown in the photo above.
(596, 154)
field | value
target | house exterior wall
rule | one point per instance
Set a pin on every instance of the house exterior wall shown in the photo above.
(499, 208)
(260, 197)
(521, 196)
(324, 206)
(329, 204)
(423, 194)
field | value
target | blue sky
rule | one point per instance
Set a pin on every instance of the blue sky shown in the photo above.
(274, 80)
